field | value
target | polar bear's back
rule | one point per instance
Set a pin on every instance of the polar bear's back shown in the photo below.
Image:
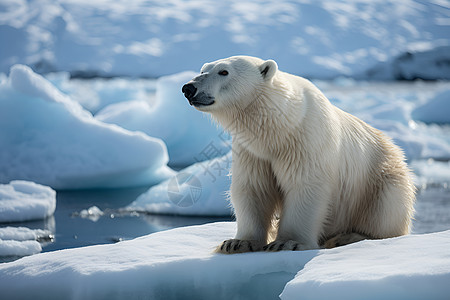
(376, 193)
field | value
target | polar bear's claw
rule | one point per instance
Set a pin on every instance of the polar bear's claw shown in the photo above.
(238, 246)
(284, 245)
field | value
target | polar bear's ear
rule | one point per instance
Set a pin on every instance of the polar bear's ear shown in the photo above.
(268, 69)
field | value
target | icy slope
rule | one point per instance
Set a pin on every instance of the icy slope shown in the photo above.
(50, 139)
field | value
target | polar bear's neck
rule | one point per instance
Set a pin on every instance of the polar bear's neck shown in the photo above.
(275, 115)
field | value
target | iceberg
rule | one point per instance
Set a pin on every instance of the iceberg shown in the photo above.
(24, 201)
(179, 263)
(13, 248)
(21, 241)
(97, 93)
(50, 139)
(199, 190)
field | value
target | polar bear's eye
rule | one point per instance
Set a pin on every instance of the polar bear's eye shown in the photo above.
(223, 73)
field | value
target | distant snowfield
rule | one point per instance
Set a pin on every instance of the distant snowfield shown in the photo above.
(321, 39)
(178, 264)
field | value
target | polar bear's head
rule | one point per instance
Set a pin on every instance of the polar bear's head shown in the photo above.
(228, 83)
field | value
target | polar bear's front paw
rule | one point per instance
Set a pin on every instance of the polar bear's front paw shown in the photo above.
(285, 245)
(239, 246)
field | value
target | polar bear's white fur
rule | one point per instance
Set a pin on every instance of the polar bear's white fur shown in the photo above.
(311, 173)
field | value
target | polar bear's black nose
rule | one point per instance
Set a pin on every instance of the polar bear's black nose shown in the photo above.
(189, 90)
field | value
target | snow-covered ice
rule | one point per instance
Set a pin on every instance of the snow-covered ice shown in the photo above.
(154, 38)
(19, 248)
(187, 132)
(21, 241)
(50, 139)
(22, 233)
(171, 264)
(180, 263)
(23, 201)
(200, 189)
(408, 267)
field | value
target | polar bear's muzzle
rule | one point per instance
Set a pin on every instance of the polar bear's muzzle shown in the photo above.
(194, 98)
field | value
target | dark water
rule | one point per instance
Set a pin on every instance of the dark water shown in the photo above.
(432, 210)
(70, 230)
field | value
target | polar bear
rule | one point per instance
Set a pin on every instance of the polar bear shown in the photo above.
(305, 174)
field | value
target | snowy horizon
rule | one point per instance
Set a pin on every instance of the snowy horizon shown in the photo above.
(324, 39)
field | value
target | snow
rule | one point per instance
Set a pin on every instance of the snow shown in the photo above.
(24, 201)
(186, 131)
(50, 139)
(321, 39)
(408, 267)
(199, 190)
(180, 263)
